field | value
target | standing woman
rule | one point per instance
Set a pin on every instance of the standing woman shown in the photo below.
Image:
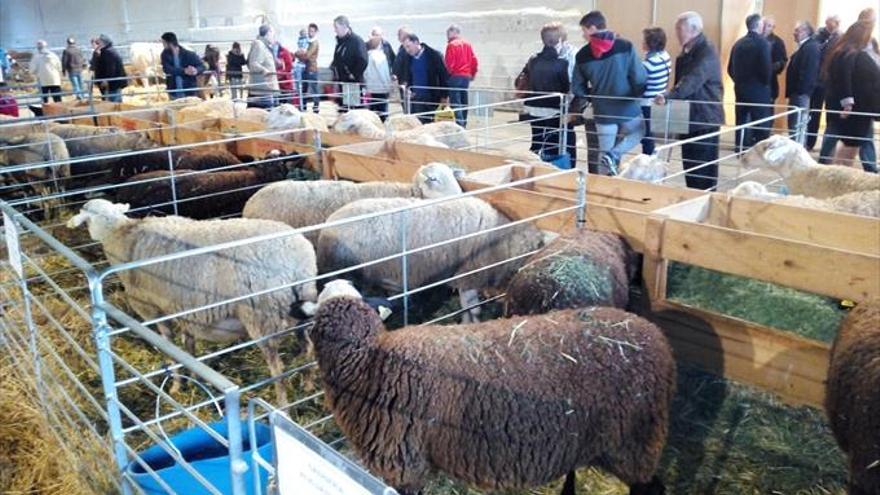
(235, 62)
(261, 69)
(851, 63)
(377, 77)
(548, 73)
(47, 67)
(658, 65)
(210, 78)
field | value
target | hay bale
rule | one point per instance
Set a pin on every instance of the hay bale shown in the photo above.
(586, 268)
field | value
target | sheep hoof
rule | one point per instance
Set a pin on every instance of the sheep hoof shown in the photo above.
(568, 488)
(653, 487)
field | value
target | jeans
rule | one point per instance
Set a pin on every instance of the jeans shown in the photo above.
(631, 133)
(698, 153)
(55, 91)
(545, 135)
(235, 89)
(76, 83)
(310, 87)
(867, 152)
(747, 112)
(114, 95)
(802, 102)
(458, 98)
(648, 140)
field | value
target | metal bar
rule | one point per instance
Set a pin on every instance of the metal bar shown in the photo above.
(237, 465)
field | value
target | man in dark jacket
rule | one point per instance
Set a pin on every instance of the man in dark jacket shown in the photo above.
(610, 72)
(548, 73)
(778, 55)
(181, 67)
(825, 36)
(802, 75)
(426, 77)
(349, 62)
(387, 49)
(698, 78)
(750, 68)
(109, 70)
(72, 63)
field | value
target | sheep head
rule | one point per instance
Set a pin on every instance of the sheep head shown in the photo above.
(752, 189)
(646, 168)
(777, 153)
(284, 116)
(101, 216)
(437, 180)
(343, 288)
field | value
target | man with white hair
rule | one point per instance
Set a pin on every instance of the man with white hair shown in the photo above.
(698, 78)
(462, 66)
(46, 66)
(802, 75)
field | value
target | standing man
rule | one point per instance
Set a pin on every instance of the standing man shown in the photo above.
(426, 76)
(263, 86)
(802, 75)
(778, 55)
(72, 63)
(109, 69)
(181, 67)
(310, 75)
(349, 61)
(609, 71)
(401, 62)
(825, 36)
(462, 66)
(751, 69)
(698, 78)
(46, 66)
(387, 49)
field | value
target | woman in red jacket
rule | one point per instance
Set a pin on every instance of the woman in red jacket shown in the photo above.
(284, 66)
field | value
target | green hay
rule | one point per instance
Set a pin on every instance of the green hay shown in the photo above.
(808, 315)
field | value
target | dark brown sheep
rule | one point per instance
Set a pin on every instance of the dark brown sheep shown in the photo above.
(852, 396)
(502, 404)
(199, 195)
(586, 268)
(132, 165)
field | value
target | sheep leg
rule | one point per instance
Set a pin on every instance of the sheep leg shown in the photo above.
(276, 368)
(653, 487)
(569, 487)
(176, 382)
(468, 298)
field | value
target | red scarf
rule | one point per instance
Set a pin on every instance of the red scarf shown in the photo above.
(601, 43)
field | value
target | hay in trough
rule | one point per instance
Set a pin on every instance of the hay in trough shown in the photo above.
(808, 315)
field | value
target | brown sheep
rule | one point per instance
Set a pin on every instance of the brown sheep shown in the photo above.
(852, 395)
(585, 268)
(502, 404)
(129, 166)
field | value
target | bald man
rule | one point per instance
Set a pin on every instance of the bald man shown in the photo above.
(778, 55)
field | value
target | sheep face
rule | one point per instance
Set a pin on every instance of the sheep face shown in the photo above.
(101, 215)
(437, 180)
(777, 153)
(338, 288)
(646, 168)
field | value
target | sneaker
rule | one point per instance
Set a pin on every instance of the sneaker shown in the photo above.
(609, 163)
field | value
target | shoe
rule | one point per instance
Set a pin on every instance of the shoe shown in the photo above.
(607, 160)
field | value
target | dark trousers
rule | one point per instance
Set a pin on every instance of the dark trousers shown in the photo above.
(458, 98)
(648, 140)
(261, 100)
(418, 106)
(378, 102)
(545, 135)
(696, 154)
(817, 101)
(593, 148)
(55, 91)
(310, 88)
(747, 113)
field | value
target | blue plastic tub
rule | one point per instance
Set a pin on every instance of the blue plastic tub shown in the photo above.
(562, 161)
(206, 456)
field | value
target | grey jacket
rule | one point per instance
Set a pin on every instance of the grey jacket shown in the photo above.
(617, 72)
(698, 78)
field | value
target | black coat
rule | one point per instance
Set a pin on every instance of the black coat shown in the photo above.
(802, 75)
(853, 75)
(438, 76)
(778, 57)
(349, 59)
(108, 65)
(187, 58)
(400, 65)
(234, 64)
(751, 69)
(547, 74)
(698, 78)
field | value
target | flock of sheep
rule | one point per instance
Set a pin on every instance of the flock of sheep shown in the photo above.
(567, 378)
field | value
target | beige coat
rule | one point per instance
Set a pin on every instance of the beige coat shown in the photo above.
(261, 67)
(47, 68)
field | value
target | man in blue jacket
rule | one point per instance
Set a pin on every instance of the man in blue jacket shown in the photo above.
(802, 75)
(751, 69)
(181, 68)
(608, 70)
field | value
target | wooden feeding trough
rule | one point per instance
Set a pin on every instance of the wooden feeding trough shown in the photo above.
(83, 112)
(826, 253)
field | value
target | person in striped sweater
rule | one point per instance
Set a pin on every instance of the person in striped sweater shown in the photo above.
(658, 65)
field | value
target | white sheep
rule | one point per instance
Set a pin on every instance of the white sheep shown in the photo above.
(33, 149)
(306, 203)
(865, 203)
(402, 122)
(802, 175)
(192, 282)
(645, 168)
(360, 122)
(287, 116)
(379, 236)
(145, 60)
(448, 133)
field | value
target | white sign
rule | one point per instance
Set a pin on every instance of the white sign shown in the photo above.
(307, 466)
(12, 248)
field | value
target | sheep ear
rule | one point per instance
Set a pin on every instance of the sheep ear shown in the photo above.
(384, 312)
(77, 220)
(122, 207)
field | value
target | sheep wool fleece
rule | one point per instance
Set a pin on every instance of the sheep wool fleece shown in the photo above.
(502, 404)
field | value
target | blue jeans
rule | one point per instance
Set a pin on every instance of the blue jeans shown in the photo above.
(310, 88)
(114, 96)
(76, 83)
(458, 97)
(867, 152)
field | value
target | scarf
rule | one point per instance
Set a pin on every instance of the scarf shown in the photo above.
(601, 43)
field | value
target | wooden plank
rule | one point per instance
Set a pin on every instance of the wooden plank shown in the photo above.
(125, 122)
(654, 267)
(363, 168)
(790, 366)
(420, 155)
(519, 204)
(808, 267)
(691, 210)
(238, 126)
(258, 147)
(837, 230)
